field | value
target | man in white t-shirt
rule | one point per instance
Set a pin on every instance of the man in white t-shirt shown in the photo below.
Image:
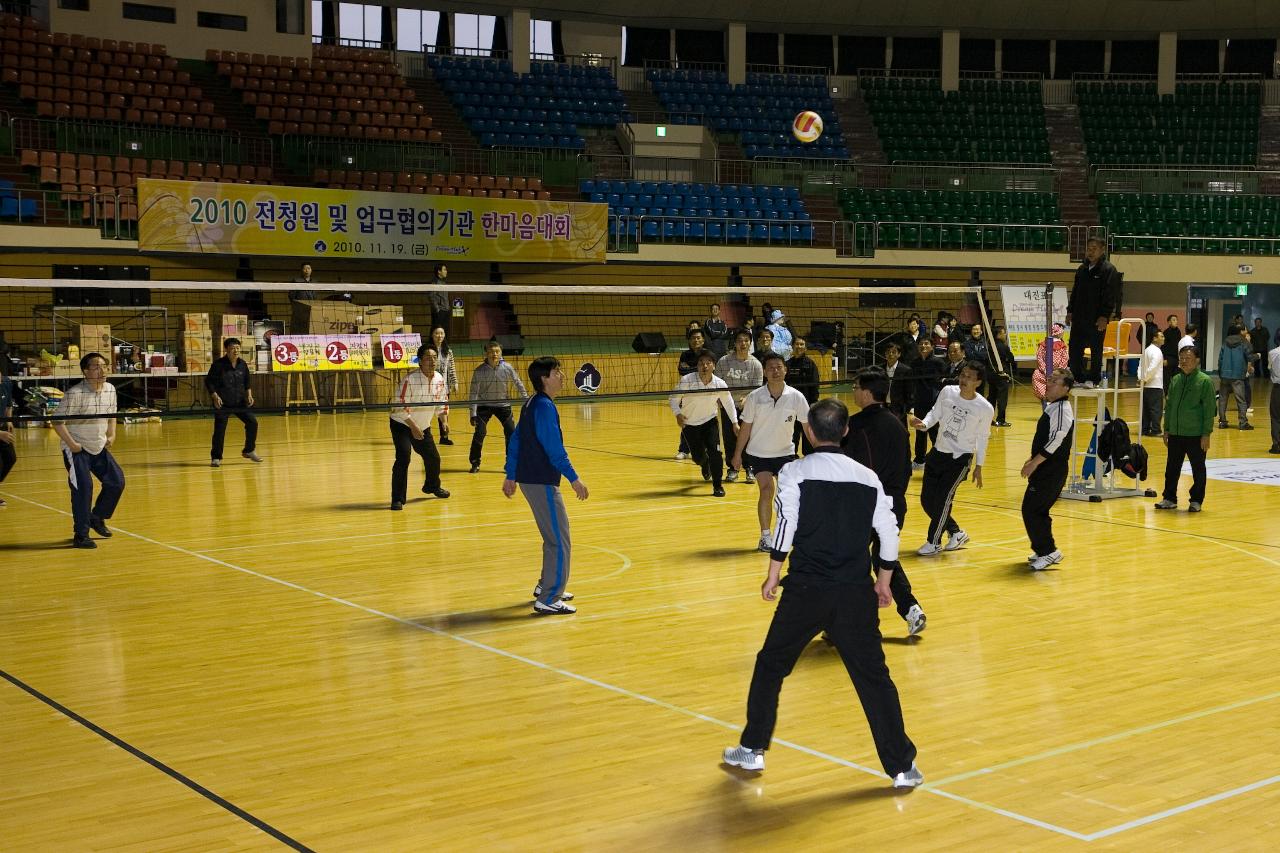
(86, 451)
(964, 420)
(1191, 338)
(764, 445)
(1151, 375)
(695, 404)
(416, 404)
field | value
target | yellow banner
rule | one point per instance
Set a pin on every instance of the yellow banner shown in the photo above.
(400, 351)
(302, 353)
(249, 219)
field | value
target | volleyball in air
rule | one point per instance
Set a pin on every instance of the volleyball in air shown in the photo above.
(807, 126)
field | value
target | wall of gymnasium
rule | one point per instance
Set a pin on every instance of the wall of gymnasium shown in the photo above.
(183, 38)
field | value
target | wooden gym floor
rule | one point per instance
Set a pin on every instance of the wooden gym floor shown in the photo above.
(264, 655)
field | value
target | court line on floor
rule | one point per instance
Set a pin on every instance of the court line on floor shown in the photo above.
(1185, 807)
(175, 775)
(537, 664)
(1087, 744)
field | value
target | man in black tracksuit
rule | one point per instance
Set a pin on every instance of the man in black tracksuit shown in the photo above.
(878, 439)
(228, 385)
(927, 376)
(802, 375)
(827, 506)
(1046, 469)
(1089, 309)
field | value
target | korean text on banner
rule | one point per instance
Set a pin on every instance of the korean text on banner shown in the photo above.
(251, 219)
(1024, 317)
(400, 351)
(301, 353)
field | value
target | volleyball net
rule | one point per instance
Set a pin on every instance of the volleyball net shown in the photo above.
(349, 348)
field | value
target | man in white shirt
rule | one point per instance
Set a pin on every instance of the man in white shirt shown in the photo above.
(1273, 364)
(413, 409)
(1151, 375)
(696, 404)
(1191, 338)
(86, 451)
(743, 374)
(964, 419)
(764, 444)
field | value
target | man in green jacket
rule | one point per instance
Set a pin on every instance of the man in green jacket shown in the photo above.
(1189, 409)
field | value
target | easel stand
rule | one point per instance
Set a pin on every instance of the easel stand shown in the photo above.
(347, 389)
(293, 394)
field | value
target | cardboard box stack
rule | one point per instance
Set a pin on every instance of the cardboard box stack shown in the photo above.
(383, 320)
(195, 343)
(322, 317)
(96, 338)
(237, 326)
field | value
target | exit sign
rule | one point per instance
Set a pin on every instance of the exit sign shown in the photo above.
(661, 130)
(1242, 290)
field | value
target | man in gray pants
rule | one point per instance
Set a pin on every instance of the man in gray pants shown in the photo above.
(536, 460)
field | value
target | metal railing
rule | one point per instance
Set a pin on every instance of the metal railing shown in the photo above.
(1148, 244)
(865, 236)
(1230, 180)
(309, 153)
(361, 44)
(627, 233)
(73, 207)
(131, 140)
(684, 65)
(809, 70)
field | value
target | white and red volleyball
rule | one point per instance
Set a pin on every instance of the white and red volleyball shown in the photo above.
(807, 126)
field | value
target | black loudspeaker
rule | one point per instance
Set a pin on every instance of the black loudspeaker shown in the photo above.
(511, 344)
(651, 342)
(824, 335)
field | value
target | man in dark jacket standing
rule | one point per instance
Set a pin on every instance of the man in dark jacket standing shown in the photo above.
(927, 381)
(802, 375)
(228, 385)
(1260, 339)
(439, 299)
(1188, 425)
(1089, 309)
(878, 439)
(1172, 334)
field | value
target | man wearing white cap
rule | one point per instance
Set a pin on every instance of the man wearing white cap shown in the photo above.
(781, 335)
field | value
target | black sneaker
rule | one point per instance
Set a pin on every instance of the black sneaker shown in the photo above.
(706, 472)
(1275, 448)
(83, 542)
(1246, 426)
(439, 493)
(475, 466)
(100, 527)
(446, 440)
(718, 492)
(397, 506)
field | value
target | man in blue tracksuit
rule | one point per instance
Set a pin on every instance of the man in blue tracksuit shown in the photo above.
(536, 459)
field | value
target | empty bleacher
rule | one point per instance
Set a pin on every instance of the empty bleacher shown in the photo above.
(345, 92)
(760, 110)
(1200, 124)
(955, 219)
(986, 121)
(422, 183)
(541, 109)
(1215, 223)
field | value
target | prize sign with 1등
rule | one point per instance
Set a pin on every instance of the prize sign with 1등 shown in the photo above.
(400, 351)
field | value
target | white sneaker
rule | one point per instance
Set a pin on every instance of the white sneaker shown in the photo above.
(252, 457)
(564, 596)
(558, 608)
(1039, 564)
(915, 620)
(732, 476)
(928, 549)
(1249, 411)
(766, 542)
(749, 478)
(908, 778)
(682, 455)
(956, 541)
(747, 759)
(917, 466)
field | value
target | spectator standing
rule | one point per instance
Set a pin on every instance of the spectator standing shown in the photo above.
(1151, 375)
(928, 374)
(941, 331)
(1233, 376)
(306, 292)
(782, 337)
(1149, 329)
(1188, 427)
(1190, 339)
(1172, 334)
(1089, 309)
(716, 331)
(228, 385)
(444, 366)
(975, 345)
(86, 450)
(439, 297)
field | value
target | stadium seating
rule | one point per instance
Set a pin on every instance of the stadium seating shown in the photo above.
(541, 109)
(1209, 219)
(955, 219)
(760, 110)
(703, 213)
(1200, 124)
(14, 206)
(423, 183)
(65, 76)
(342, 92)
(985, 121)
